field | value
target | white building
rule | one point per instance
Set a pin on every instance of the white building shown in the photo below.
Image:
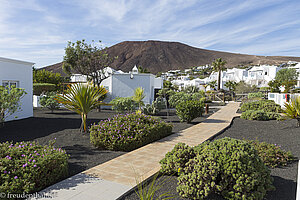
(261, 75)
(120, 84)
(19, 74)
(257, 75)
(184, 81)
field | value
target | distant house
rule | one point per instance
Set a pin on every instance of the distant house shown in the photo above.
(261, 75)
(19, 74)
(257, 75)
(121, 84)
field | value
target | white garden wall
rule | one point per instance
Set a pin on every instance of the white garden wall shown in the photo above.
(20, 72)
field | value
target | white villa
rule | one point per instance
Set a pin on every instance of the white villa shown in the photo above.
(121, 84)
(261, 75)
(19, 74)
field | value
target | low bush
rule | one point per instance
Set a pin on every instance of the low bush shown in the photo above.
(155, 107)
(124, 104)
(255, 95)
(226, 166)
(29, 167)
(260, 115)
(177, 158)
(126, 132)
(271, 154)
(40, 88)
(264, 105)
(48, 101)
(189, 110)
(179, 97)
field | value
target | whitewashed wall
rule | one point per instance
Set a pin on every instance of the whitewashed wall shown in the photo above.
(14, 70)
(122, 85)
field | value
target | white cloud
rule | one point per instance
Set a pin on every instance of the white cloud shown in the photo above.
(31, 29)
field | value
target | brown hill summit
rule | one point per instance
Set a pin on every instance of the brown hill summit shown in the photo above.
(159, 56)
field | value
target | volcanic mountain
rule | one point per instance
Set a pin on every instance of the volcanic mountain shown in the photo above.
(159, 56)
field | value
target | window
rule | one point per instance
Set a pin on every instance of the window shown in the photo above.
(272, 96)
(10, 83)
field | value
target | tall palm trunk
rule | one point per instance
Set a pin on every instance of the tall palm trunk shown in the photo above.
(219, 80)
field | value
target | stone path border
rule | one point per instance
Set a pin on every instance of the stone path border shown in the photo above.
(112, 179)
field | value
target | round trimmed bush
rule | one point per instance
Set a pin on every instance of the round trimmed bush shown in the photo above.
(177, 158)
(126, 132)
(226, 166)
(189, 110)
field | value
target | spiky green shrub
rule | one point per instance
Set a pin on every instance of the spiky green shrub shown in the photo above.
(264, 105)
(29, 167)
(292, 109)
(124, 104)
(82, 98)
(138, 97)
(126, 132)
(226, 166)
(189, 110)
(177, 158)
(260, 115)
(271, 154)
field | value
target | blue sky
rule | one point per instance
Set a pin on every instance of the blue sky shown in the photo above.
(38, 30)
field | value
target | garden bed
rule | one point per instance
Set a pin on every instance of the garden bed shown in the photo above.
(283, 133)
(64, 126)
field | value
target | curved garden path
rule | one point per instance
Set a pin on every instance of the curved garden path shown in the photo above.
(110, 180)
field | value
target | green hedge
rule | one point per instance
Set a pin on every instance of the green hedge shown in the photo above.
(260, 115)
(264, 105)
(29, 167)
(189, 110)
(126, 132)
(39, 88)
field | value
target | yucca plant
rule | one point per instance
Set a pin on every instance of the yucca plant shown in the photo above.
(147, 192)
(82, 98)
(292, 109)
(139, 96)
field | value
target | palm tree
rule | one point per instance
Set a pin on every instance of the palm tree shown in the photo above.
(292, 109)
(212, 85)
(139, 96)
(82, 98)
(218, 66)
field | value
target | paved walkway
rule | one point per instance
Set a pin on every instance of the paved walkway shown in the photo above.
(110, 180)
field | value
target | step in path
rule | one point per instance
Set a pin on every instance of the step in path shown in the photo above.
(112, 179)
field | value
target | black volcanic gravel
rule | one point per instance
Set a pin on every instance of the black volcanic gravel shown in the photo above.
(64, 126)
(283, 133)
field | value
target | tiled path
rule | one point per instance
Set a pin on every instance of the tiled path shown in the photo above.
(112, 179)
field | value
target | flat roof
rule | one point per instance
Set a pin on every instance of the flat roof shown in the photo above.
(16, 61)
